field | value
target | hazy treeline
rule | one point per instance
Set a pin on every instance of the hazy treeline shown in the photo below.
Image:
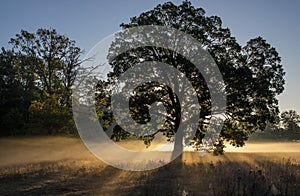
(285, 128)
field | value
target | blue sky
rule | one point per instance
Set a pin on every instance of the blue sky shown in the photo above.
(88, 22)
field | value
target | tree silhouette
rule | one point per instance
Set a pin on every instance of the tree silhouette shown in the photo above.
(285, 128)
(290, 120)
(253, 76)
(17, 90)
(40, 68)
(53, 58)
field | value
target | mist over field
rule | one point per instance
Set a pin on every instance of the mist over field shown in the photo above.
(261, 147)
(48, 165)
(165, 74)
(18, 151)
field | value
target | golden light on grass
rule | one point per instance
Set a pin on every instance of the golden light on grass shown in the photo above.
(58, 165)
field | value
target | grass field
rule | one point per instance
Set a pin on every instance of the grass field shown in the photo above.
(63, 166)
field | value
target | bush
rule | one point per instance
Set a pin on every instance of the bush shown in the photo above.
(49, 117)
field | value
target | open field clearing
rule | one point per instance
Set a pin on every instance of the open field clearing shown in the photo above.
(63, 166)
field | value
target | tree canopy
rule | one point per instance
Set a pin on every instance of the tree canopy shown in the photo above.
(253, 77)
(38, 68)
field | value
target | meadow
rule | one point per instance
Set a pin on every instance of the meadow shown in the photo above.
(63, 166)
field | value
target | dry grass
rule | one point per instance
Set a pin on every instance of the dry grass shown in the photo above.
(62, 166)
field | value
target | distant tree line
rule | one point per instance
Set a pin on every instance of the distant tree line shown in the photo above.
(286, 128)
(36, 76)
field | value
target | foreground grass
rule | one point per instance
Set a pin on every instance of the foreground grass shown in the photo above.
(64, 167)
(228, 176)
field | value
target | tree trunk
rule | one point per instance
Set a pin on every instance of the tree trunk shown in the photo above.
(178, 149)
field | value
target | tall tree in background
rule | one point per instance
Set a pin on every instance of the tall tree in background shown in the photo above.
(253, 75)
(290, 120)
(40, 69)
(286, 128)
(17, 91)
(52, 57)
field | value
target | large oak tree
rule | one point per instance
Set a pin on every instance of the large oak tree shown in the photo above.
(253, 77)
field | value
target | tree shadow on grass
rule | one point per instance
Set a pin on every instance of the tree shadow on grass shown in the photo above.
(226, 175)
(283, 174)
(53, 178)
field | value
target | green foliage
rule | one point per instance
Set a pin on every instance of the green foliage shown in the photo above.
(53, 58)
(253, 74)
(219, 147)
(49, 117)
(285, 128)
(290, 120)
(17, 90)
(36, 79)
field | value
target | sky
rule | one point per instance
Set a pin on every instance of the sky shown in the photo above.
(88, 22)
